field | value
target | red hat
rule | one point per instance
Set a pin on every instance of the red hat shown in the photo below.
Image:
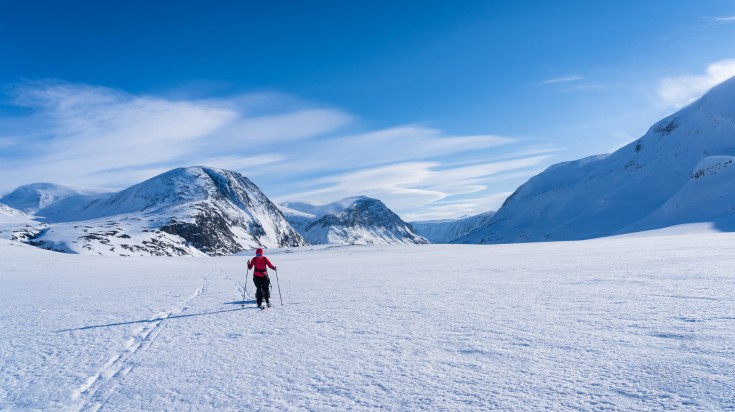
(259, 251)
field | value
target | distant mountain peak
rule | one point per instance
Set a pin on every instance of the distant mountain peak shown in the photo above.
(317, 210)
(34, 197)
(12, 214)
(448, 230)
(353, 220)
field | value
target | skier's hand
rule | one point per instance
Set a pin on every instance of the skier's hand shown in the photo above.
(275, 267)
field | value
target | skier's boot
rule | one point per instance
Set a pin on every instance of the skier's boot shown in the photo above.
(268, 303)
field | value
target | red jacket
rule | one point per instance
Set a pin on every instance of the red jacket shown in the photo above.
(260, 263)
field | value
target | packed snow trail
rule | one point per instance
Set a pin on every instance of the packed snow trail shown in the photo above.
(121, 364)
(627, 323)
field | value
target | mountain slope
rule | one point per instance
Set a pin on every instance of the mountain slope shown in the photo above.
(445, 231)
(317, 210)
(10, 215)
(708, 196)
(355, 220)
(623, 191)
(186, 211)
(18, 226)
(43, 199)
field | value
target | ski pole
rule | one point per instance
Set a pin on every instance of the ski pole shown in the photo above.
(245, 292)
(279, 288)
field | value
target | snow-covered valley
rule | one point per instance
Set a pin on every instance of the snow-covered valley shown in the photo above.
(635, 322)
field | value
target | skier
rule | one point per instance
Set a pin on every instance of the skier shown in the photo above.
(260, 277)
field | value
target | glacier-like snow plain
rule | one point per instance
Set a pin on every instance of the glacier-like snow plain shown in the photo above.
(635, 322)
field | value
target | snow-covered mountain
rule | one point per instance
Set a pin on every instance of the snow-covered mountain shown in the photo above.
(319, 210)
(186, 211)
(356, 220)
(37, 198)
(445, 231)
(16, 225)
(9, 214)
(680, 171)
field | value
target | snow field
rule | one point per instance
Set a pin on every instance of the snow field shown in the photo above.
(623, 323)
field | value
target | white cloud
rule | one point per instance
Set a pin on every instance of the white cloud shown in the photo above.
(89, 130)
(565, 79)
(477, 172)
(412, 184)
(393, 178)
(463, 207)
(387, 146)
(91, 135)
(424, 140)
(247, 165)
(725, 19)
(281, 127)
(96, 136)
(10, 142)
(677, 92)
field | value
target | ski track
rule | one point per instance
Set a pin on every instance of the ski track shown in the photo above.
(98, 388)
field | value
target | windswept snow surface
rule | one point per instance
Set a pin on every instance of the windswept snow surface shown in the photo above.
(627, 323)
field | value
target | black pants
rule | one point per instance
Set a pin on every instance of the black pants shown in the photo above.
(262, 284)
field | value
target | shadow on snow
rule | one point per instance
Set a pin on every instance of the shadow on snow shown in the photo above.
(158, 319)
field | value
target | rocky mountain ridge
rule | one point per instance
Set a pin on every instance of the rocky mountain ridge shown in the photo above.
(357, 220)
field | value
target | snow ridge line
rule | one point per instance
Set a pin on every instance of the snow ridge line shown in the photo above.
(98, 388)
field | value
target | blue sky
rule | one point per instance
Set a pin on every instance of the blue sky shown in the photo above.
(440, 109)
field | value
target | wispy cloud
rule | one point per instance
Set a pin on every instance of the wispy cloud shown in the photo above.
(679, 91)
(465, 207)
(387, 146)
(285, 127)
(413, 184)
(96, 136)
(241, 162)
(725, 19)
(565, 79)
